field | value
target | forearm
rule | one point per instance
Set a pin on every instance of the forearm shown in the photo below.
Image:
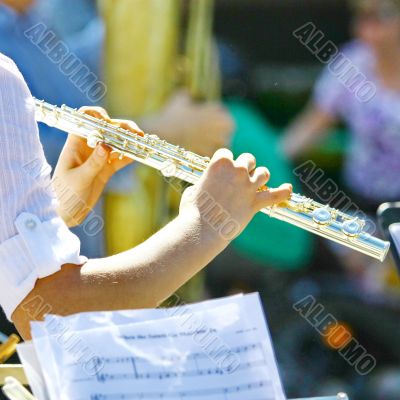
(152, 271)
(306, 132)
(139, 278)
(297, 140)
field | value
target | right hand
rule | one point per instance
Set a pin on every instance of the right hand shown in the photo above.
(231, 188)
(201, 128)
(82, 172)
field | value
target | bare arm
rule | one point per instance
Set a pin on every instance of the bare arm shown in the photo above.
(140, 278)
(306, 131)
(149, 273)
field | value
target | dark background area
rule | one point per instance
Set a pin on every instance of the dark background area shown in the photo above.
(269, 24)
(280, 71)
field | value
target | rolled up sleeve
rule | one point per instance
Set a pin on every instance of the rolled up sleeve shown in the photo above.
(34, 240)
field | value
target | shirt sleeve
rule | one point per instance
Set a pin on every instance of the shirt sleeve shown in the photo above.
(34, 241)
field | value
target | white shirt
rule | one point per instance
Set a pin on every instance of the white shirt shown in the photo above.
(34, 241)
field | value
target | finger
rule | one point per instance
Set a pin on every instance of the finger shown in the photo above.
(260, 177)
(96, 112)
(189, 193)
(271, 197)
(97, 161)
(222, 153)
(128, 125)
(75, 142)
(116, 162)
(246, 160)
(68, 158)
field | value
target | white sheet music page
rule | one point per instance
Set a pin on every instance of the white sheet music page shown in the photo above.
(33, 371)
(66, 331)
(92, 320)
(220, 352)
(47, 380)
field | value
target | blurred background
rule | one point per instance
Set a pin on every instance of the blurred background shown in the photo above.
(206, 74)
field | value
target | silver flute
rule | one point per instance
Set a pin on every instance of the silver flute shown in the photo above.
(174, 161)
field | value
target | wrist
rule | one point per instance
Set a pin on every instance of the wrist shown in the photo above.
(215, 234)
(70, 220)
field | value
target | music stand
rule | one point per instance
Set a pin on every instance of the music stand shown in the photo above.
(388, 215)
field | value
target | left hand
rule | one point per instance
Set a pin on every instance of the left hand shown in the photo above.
(82, 172)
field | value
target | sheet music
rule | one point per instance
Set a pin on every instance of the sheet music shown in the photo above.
(220, 350)
(55, 325)
(92, 320)
(32, 369)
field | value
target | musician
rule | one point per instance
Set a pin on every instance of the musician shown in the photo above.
(46, 80)
(143, 89)
(41, 267)
(374, 122)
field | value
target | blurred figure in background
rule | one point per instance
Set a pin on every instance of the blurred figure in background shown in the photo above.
(22, 28)
(80, 16)
(80, 28)
(374, 155)
(374, 122)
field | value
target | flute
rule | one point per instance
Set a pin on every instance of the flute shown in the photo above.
(174, 161)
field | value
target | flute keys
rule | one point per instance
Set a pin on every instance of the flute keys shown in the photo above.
(322, 216)
(352, 228)
(299, 203)
(93, 139)
(169, 169)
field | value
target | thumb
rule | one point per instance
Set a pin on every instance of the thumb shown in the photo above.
(96, 162)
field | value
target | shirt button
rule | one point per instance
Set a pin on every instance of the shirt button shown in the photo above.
(30, 224)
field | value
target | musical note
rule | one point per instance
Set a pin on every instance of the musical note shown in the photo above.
(254, 351)
(104, 377)
(248, 387)
(228, 356)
